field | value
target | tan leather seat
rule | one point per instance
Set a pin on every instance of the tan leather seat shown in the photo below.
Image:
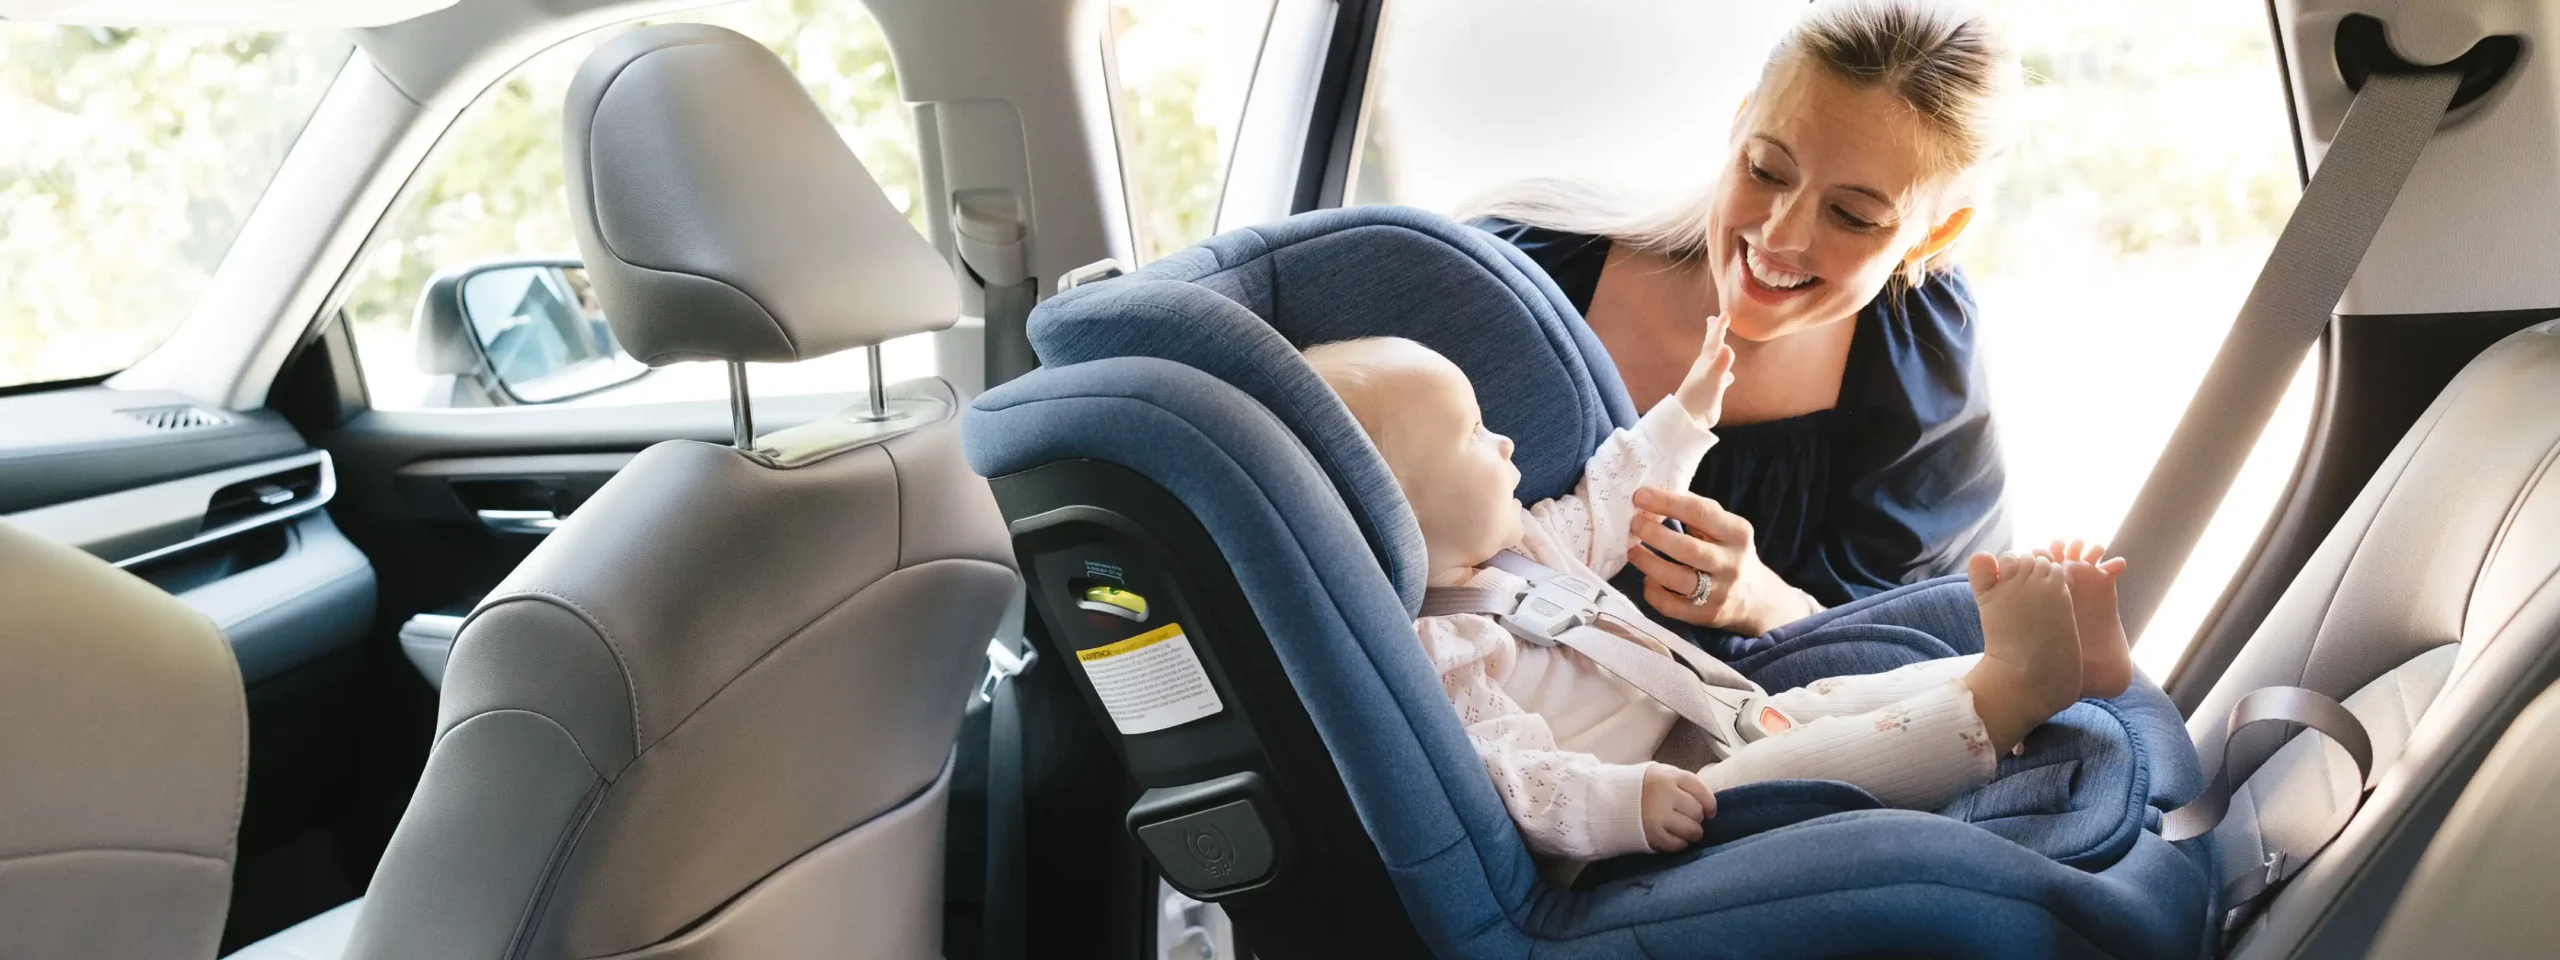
(124, 750)
(2484, 887)
(711, 715)
(2430, 610)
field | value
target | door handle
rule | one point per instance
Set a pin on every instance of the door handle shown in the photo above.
(526, 523)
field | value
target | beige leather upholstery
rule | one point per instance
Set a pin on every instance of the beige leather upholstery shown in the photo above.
(721, 215)
(2430, 608)
(719, 690)
(2484, 887)
(123, 754)
(711, 716)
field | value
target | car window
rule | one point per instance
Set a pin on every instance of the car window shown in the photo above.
(1179, 70)
(2155, 169)
(128, 160)
(493, 193)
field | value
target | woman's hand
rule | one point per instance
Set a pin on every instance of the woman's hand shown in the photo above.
(1746, 596)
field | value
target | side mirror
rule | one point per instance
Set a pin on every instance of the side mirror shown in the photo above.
(519, 331)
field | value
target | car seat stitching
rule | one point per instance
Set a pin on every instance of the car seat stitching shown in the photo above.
(2506, 524)
(672, 939)
(562, 847)
(630, 687)
(2355, 553)
(897, 484)
(544, 717)
(24, 856)
(795, 634)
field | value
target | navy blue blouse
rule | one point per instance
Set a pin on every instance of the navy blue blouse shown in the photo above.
(1899, 482)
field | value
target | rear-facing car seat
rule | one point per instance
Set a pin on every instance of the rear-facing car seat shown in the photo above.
(1220, 559)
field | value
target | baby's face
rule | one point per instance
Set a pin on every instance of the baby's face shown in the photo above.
(1457, 474)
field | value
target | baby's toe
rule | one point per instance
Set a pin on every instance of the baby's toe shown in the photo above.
(1982, 570)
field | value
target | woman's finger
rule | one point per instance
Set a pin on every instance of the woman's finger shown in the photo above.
(1670, 575)
(1677, 605)
(1709, 519)
(1682, 548)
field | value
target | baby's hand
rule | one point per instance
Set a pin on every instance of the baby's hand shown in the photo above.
(1702, 391)
(1676, 807)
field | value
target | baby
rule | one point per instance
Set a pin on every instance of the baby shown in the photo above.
(1571, 746)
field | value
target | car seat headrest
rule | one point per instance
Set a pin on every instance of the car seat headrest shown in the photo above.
(723, 218)
(1242, 304)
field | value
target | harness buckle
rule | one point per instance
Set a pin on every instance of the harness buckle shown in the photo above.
(1552, 606)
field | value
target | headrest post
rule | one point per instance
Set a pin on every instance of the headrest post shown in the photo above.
(742, 415)
(880, 411)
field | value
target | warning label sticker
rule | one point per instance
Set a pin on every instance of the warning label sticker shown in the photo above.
(1151, 681)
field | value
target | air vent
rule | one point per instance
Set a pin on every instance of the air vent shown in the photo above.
(266, 494)
(184, 416)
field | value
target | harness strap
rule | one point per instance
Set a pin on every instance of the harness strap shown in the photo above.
(1718, 708)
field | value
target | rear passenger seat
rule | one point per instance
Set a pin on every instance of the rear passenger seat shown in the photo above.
(2430, 611)
(2484, 889)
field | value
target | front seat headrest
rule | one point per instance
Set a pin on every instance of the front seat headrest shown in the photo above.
(723, 218)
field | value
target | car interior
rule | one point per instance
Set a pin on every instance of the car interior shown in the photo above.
(820, 478)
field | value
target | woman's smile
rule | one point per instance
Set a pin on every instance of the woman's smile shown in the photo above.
(1766, 279)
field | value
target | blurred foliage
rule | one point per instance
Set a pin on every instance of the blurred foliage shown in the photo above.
(1182, 67)
(128, 161)
(2150, 129)
(494, 186)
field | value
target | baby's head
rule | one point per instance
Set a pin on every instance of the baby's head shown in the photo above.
(1419, 410)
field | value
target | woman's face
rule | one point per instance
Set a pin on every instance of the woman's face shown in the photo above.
(1830, 188)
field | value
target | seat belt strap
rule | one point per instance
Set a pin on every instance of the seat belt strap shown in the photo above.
(1567, 610)
(2297, 291)
(2293, 705)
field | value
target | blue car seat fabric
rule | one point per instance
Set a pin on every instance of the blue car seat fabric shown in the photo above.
(1242, 305)
(1185, 374)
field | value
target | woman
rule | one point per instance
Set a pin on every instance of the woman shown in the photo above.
(1857, 453)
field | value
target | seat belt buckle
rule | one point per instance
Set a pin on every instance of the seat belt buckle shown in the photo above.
(1003, 664)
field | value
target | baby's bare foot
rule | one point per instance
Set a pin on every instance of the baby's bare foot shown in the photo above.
(2106, 657)
(2030, 667)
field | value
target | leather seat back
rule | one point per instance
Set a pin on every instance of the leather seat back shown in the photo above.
(2430, 610)
(711, 715)
(123, 757)
(2484, 887)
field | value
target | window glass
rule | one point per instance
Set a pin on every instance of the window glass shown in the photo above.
(2154, 171)
(128, 160)
(1179, 71)
(494, 189)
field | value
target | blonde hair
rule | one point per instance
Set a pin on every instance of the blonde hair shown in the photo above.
(1363, 372)
(1945, 60)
